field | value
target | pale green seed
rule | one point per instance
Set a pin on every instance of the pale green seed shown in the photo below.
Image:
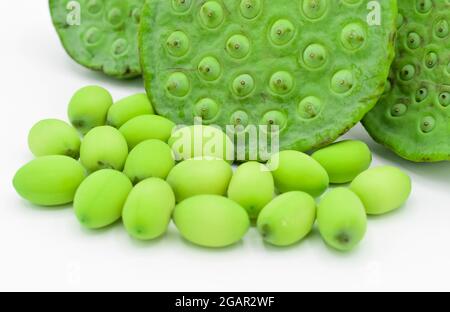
(129, 108)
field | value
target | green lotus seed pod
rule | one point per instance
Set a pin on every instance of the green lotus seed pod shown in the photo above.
(200, 176)
(148, 209)
(295, 171)
(89, 107)
(382, 189)
(201, 142)
(100, 198)
(54, 137)
(49, 180)
(100, 34)
(344, 160)
(287, 219)
(146, 127)
(151, 158)
(211, 221)
(129, 108)
(103, 148)
(306, 62)
(252, 187)
(342, 219)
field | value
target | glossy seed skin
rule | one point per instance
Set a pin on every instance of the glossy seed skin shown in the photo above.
(129, 108)
(296, 171)
(344, 160)
(211, 221)
(342, 219)
(54, 137)
(100, 198)
(252, 187)
(148, 209)
(151, 158)
(49, 180)
(146, 127)
(287, 219)
(89, 107)
(201, 142)
(103, 148)
(199, 177)
(382, 189)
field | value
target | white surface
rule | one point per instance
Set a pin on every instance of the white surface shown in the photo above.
(45, 249)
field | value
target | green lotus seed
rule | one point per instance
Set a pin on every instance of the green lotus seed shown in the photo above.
(444, 99)
(49, 180)
(431, 59)
(103, 148)
(151, 158)
(287, 219)
(399, 110)
(353, 36)
(238, 46)
(424, 6)
(209, 68)
(93, 36)
(427, 124)
(382, 189)
(282, 32)
(314, 9)
(178, 43)
(181, 6)
(274, 120)
(421, 94)
(201, 142)
(178, 85)
(441, 29)
(414, 40)
(129, 108)
(211, 14)
(310, 107)
(115, 17)
(243, 85)
(281, 82)
(408, 72)
(211, 221)
(252, 187)
(146, 127)
(251, 8)
(199, 177)
(315, 56)
(239, 119)
(296, 171)
(54, 137)
(148, 209)
(100, 198)
(206, 109)
(89, 107)
(344, 160)
(342, 219)
(342, 81)
(94, 7)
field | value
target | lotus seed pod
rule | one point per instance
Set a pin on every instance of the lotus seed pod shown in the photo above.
(89, 107)
(211, 221)
(295, 171)
(344, 160)
(129, 108)
(49, 180)
(252, 187)
(104, 148)
(199, 177)
(342, 219)
(54, 137)
(148, 209)
(412, 117)
(382, 189)
(151, 158)
(100, 35)
(287, 219)
(301, 65)
(100, 198)
(201, 142)
(146, 127)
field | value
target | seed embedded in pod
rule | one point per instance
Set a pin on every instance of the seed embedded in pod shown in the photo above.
(399, 110)
(209, 68)
(342, 81)
(444, 99)
(281, 82)
(282, 32)
(212, 14)
(431, 59)
(178, 44)
(243, 85)
(441, 29)
(251, 8)
(181, 6)
(427, 124)
(178, 84)
(315, 56)
(353, 36)
(310, 107)
(414, 40)
(238, 46)
(421, 94)
(274, 120)
(314, 9)
(408, 72)
(207, 109)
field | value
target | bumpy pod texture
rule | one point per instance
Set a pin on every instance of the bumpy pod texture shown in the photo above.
(100, 34)
(413, 116)
(311, 67)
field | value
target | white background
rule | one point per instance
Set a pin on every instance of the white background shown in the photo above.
(46, 249)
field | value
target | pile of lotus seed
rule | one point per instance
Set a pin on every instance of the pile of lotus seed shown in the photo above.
(129, 166)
